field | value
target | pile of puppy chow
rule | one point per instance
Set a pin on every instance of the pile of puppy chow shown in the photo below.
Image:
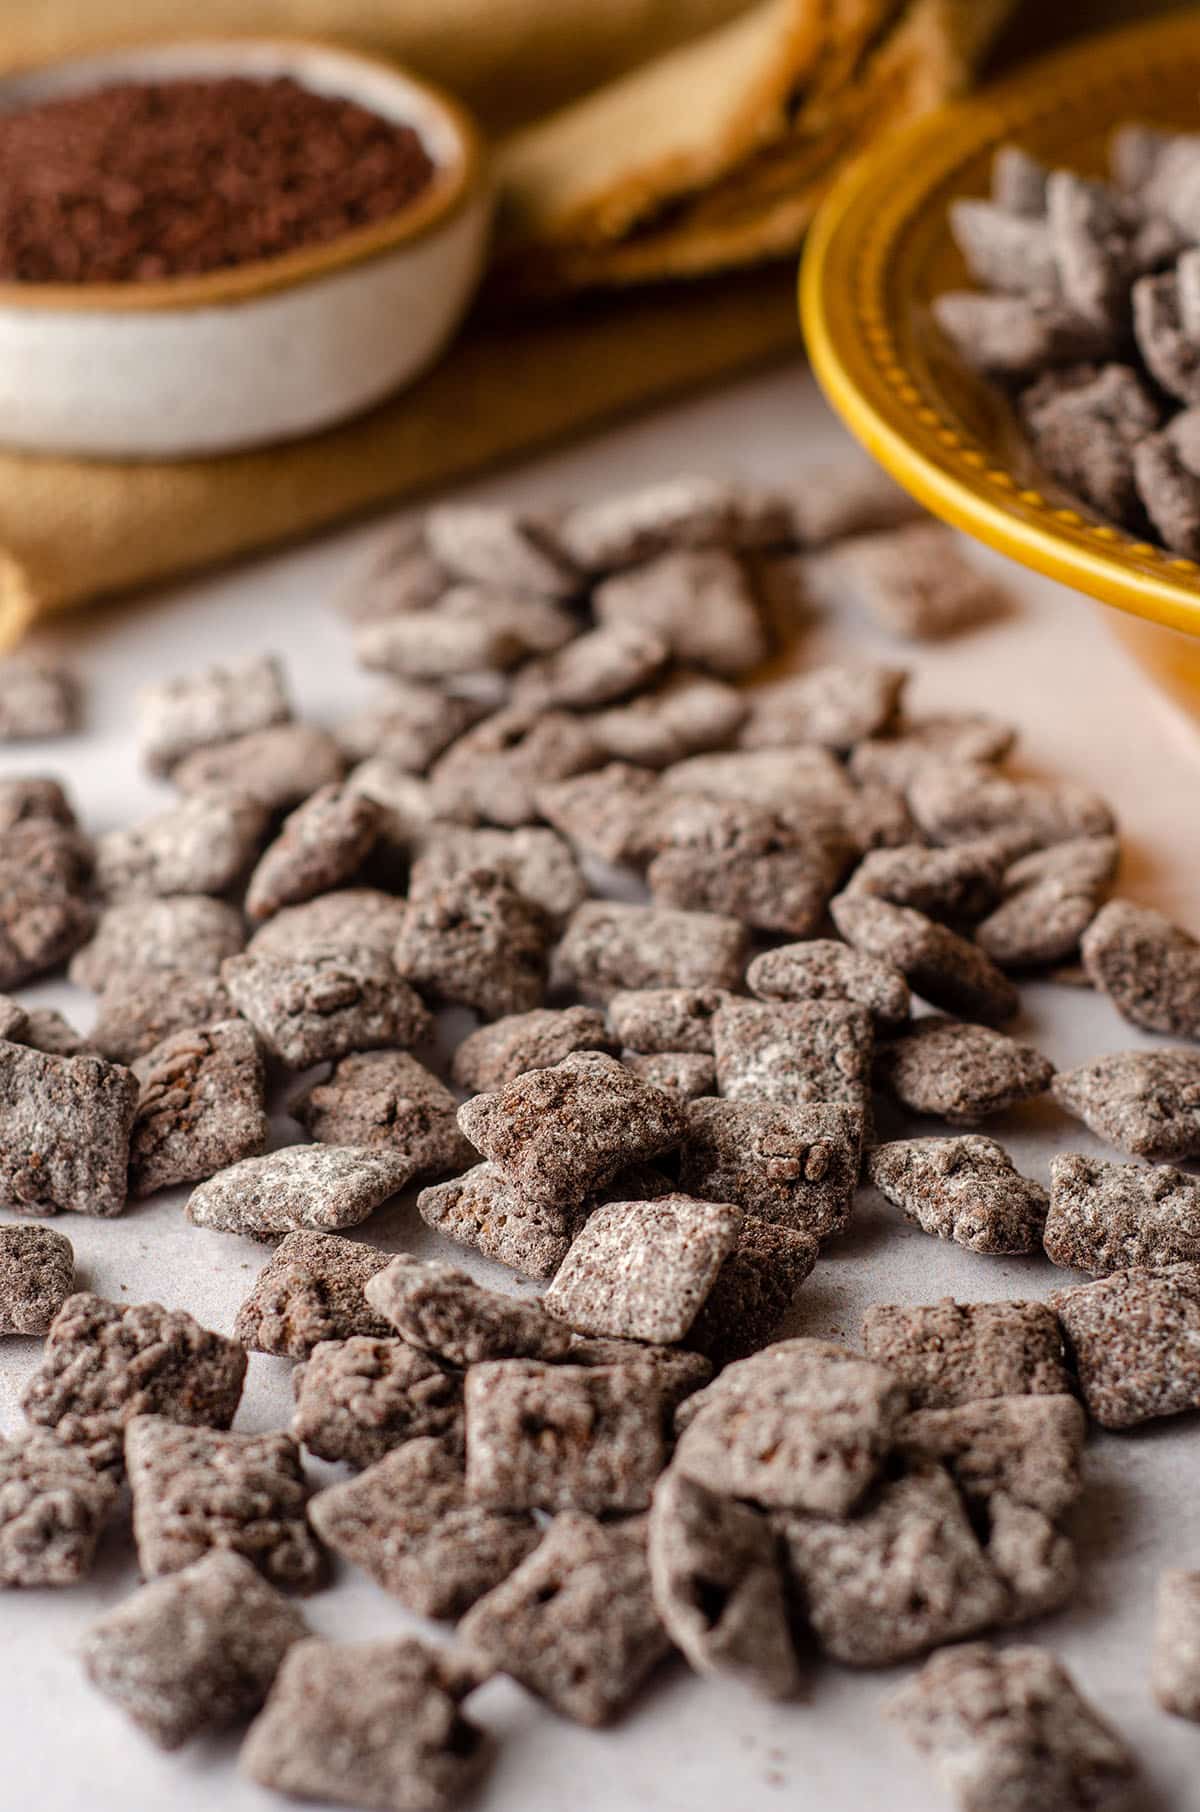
(662, 1114)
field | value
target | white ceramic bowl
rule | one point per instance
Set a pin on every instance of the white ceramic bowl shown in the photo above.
(260, 352)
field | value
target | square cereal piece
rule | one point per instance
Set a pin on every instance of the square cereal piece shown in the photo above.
(408, 1522)
(609, 945)
(202, 845)
(957, 884)
(38, 697)
(495, 770)
(535, 860)
(349, 918)
(309, 1291)
(559, 1135)
(666, 1019)
(322, 845)
(188, 932)
(642, 1270)
(103, 1364)
(1105, 1216)
(689, 1073)
(966, 1189)
(481, 1209)
(278, 766)
(137, 1012)
(1175, 1669)
(1148, 967)
(201, 1106)
(37, 1274)
(794, 1053)
(905, 1575)
(796, 1167)
(1028, 1449)
(491, 545)
(441, 1310)
(834, 706)
(321, 1006)
(961, 1072)
(387, 1101)
(563, 1437)
(732, 857)
(193, 1652)
(955, 737)
(604, 813)
(53, 1506)
(595, 669)
(322, 1187)
(199, 1489)
(914, 581)
(950, 1352)
(493, 1055)
(802, 1425)
(824, 969)
(685, 714)
(436, 645)
(180, 715)
(41, 923)
(946, 970)
(1144, 1102)
(1009, 1728)
(476, 942)
(576, 1622)
(1084, 424)
(64, 1132)
(1134, 1340)
(959, 802)
(719, 1587)
(357, 1399)
(698, 600)
(801, 782)
(372, 1724)
(1050, 898)
(755, 1289)
(692, 510)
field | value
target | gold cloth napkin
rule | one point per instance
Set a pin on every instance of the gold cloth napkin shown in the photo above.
(688, 137)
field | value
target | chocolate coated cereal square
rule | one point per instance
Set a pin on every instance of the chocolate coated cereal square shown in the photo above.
(387, 1101)
(949, 1352)
(201, 1106)
(310, 1291)
(53, 1505)
(64, 1132)
(318, 1007)
(441, 1310)
(1106, 1216)
(1134, 1339)
(642, 1270)
(795, 1167)
(37, 1274)
(965, 1189)
(357, 1399)
(793, 1053)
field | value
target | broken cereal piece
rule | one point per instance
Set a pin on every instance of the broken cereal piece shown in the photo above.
(37, 1274)
(965, 1189)
(323, 1005)
(642, 1270)
(1134, 1338)
(323, 1187)
(945, 969)
(310, 1291)
(441, 1310)
(1144, 1102)
(387, 1101)
(1105, 1216)
(64, 1132)
(961, 1072)
(793, 1053)
(949, 1352)
(822, 969)
(201, 1106)
(359, 1398)
(54, 1504)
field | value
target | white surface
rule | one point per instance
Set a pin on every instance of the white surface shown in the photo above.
(687, 1745)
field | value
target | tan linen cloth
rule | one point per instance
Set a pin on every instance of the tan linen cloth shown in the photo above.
(706, 133)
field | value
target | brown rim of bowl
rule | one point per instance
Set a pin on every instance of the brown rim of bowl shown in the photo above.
(452, 184)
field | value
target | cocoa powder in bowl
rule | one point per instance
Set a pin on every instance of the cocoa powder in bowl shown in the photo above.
(144, 180)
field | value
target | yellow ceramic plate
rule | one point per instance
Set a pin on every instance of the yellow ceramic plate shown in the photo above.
(880, 251)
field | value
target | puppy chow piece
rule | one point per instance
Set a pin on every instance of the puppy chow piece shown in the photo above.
(54, 1504)
(42, 852)
(372, 1724)
(642, 1270)
(729, 856)
(64, 1132)
(1084, 424)
(38, 697)
(957, 737)
(1009, 1729)
(29, 798)
(47, 1030)
(387, 1101)
(311, 1291)
(945, 969)
(914, 581)
(496, 770)
(14, 1020)
(719, 1588)
(558, 1135)
(440, 1310)
(1096, 247)
(180, 715)
(666, 1019)
(534, 860)
(408, 727)
(37, 1274)
(437, 645)
(357, 1399)
(961, 1073)
(685, 714)
(903, 1576)
(1168, 485)
(1144, 1102)
(1027, 1449)
(1050, 898)
(193, 1652)
(325, 1004)
(958, 803)
(564, 1437)
(1148, 967)
(188, 932)
(478, 943)
(802, 1425)
(405, 802)
(1134, 1339)
(353, 917)
(138, 1012)
(755, 1289)
(965, 1189)
(1164, 326)
(605, 813)
(959, 884)
(576, 1623)
(1175, 1669)
(491, 1056)
(398, 574)
(41, 923)
(802, 783)
(793, 1053)
(408, 1522)
(698, 600)
(539, 624)
(481, 1209)
(673, 1371)
(1005, 250)
(957, 1352)
(201, 1106)
(321, 1187)
(500, 547)
(200, 846)
(103, 1364)
(196, 1490)
(686, 512)
(1105, 1216)
(834, 706)
(278, 767)
(1018, 337)
(792, 1166)
(688, 1073)
(822, 969)
(322, 844)
(595, 669)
